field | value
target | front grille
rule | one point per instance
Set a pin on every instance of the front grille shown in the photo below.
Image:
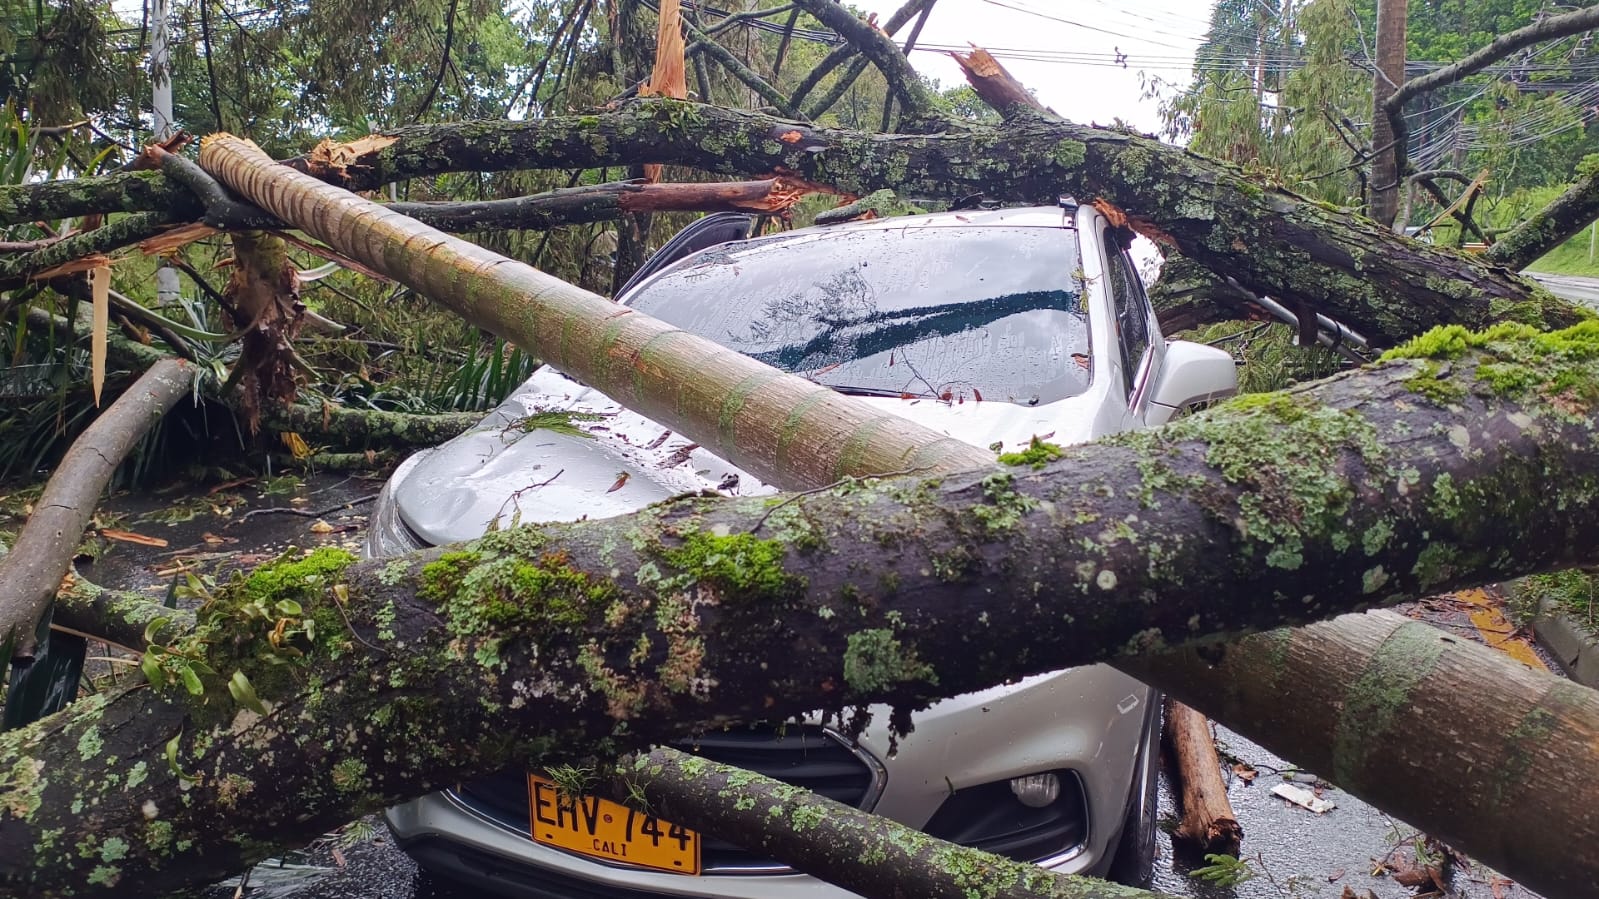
(801, 755)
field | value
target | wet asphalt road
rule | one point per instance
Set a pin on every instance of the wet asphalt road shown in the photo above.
(1291, 852)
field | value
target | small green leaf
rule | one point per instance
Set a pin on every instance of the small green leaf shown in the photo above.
(191, 681)
(151, 666)
(288, 607)
(244, 693)
(154, 627)
(172, 758)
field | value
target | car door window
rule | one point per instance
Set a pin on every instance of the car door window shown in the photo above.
(1132, 316)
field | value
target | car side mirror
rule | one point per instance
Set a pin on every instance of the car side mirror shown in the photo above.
(1190, 373)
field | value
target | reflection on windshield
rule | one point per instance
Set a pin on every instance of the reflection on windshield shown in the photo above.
(988, 314)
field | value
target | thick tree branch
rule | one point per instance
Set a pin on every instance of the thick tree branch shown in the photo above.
(997, 87)
(617, 350)
(1271, 241)
(843, 52)
(1548, 29)
(357, 428)
(120, 232)
(606, 202)
(601, 636)
(126, 191)
(1549, 227)
(916, 103)
(30, 573)
(861, 852)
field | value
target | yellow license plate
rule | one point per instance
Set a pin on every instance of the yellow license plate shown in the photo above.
(600, 828)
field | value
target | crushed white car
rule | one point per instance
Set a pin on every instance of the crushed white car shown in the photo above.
(994, 327)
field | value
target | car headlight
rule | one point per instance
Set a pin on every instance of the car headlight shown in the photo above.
(1026, 818)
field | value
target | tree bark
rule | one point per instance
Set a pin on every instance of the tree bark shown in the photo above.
(729, 402)
(1208, 823)
(861, 852)
(32, 570)
(997, 87)
(362, 428)
(1269, 240)
(126, 230)
(607, 202)
(1388, 155)
(1372, 680)
(1561, 220)
(536, 645)
(125, 191)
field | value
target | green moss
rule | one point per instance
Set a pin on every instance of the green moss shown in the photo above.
(297, 579)
(737, 563)
(875, 658)
(1038, 454)
(442, 577)
(1428, 383)
(1282, 451)
(89, 744)
(1518, 359)
(1006, 506)
(1069, 154)
(1571, 593)
(488, 598)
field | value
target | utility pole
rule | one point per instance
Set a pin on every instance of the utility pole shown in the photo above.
(166, 277)
(1385, 166)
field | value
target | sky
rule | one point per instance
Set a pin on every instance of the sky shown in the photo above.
(1083, 58)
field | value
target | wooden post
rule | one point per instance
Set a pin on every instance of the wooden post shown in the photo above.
(1385, 163)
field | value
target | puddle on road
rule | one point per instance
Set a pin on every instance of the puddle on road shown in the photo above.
(216, 530)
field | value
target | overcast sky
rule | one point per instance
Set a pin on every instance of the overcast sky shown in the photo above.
(1083, 58)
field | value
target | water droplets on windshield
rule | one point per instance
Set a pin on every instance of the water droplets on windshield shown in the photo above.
(980, 313)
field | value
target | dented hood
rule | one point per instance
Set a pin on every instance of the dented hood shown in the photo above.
(503, 472)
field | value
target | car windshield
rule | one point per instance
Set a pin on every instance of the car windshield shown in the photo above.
(960, 313)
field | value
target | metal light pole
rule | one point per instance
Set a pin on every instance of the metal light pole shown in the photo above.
(166, 277)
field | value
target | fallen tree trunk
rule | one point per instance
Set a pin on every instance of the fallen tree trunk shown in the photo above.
(1208, 823)
(32, 570)
(1374, 679)
(1269, 240)
(536, 645)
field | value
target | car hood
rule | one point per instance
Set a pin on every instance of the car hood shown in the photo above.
(502, 473)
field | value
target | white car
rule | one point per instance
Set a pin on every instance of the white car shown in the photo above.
(992, 326)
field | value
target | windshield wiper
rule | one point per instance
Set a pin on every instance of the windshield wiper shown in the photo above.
(877, 391)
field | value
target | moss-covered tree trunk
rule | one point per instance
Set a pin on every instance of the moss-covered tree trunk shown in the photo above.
(338, 688)
(1268, 240)
(1402, 714)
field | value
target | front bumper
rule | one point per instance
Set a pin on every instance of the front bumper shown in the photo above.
(1088, 720)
